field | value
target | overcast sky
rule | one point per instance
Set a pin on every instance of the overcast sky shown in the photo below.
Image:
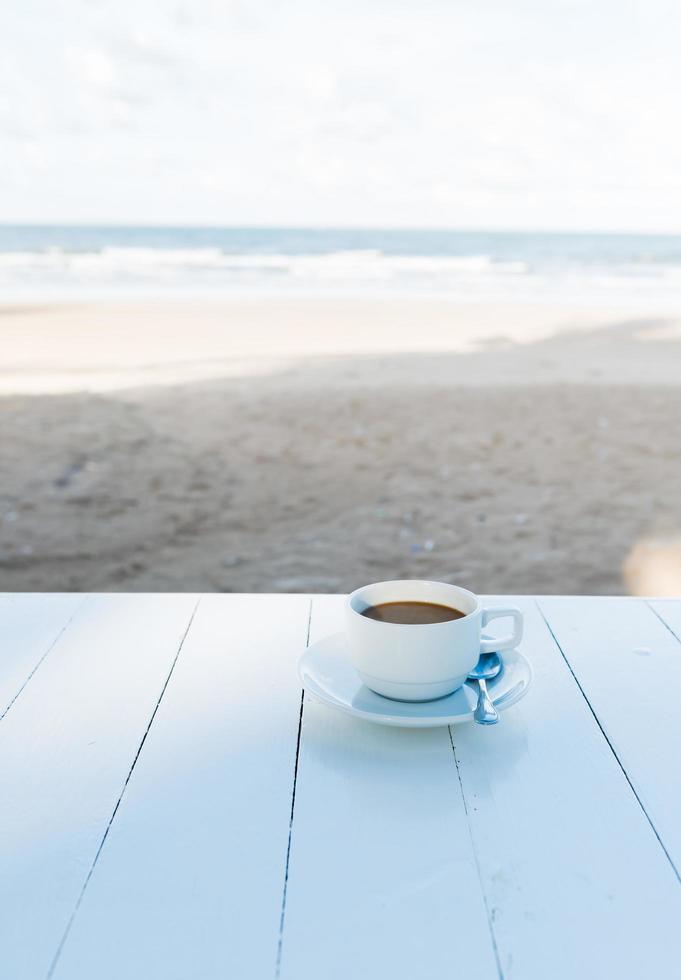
(466, 113)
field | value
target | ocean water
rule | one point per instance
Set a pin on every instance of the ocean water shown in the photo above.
(69, 262)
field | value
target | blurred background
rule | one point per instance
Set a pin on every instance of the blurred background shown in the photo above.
(299, 296)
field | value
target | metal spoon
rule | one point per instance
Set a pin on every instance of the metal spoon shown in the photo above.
(488, 666)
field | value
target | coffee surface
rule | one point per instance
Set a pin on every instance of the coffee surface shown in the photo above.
(412, 613)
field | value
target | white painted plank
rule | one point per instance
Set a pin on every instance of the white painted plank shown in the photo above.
(615, 646)
(575, 879)
(30, 625)
(551, 815)
(669, 611)
(189, 883)
(382, 876)
(66, 748)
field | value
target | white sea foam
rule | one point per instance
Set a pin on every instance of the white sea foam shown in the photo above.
(143, 269)
(361, 262)
(211, 268)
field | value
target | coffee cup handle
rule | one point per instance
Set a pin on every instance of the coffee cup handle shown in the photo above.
(506, 642)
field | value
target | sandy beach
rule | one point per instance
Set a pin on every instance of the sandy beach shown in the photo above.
(309, 445)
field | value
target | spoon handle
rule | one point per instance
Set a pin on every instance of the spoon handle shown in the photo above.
(485, 713)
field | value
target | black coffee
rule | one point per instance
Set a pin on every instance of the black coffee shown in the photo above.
(414, 613)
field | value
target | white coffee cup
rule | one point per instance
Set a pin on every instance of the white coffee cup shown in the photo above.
(419, 662)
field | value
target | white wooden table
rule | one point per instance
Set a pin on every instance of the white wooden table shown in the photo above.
(170, 808)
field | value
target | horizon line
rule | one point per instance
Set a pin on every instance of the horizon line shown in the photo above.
(445, 229)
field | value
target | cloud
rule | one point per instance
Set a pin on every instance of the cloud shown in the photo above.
(92, 67)
(532, 115)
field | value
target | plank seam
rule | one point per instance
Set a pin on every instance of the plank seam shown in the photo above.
(663, 621)
(609, 743)
(282, 917)
(477, 860)
(90, 873)
(51, 647)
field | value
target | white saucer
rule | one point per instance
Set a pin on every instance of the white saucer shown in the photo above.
(327, 674)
